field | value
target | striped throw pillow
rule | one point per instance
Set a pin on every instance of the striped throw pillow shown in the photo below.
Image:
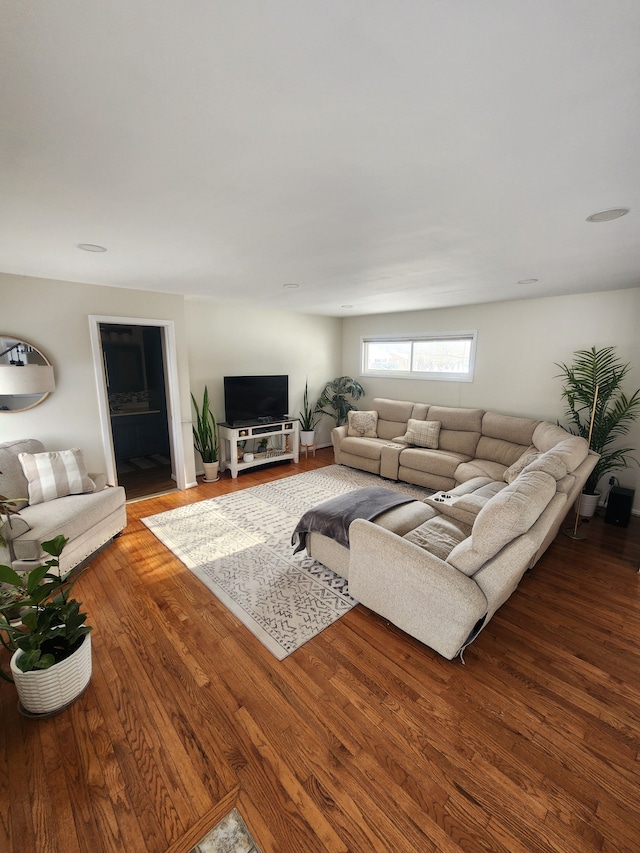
(55, 474)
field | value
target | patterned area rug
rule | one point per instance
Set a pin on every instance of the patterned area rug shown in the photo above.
(239, 546)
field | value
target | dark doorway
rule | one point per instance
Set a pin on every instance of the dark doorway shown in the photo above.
(136, 391)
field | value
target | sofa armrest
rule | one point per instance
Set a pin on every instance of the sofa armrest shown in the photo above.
(100, 480)
(418, 592)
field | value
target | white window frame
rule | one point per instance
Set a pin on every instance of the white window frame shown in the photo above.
(466, 376)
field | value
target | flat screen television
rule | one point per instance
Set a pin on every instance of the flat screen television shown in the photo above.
(250, 400)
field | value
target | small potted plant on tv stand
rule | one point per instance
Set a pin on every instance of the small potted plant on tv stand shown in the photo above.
(205, 438)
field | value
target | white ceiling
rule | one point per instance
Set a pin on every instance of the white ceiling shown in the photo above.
(384, 154)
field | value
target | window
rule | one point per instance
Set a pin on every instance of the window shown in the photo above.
(448, 356)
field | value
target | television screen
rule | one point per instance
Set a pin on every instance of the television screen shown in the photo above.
(255, 399)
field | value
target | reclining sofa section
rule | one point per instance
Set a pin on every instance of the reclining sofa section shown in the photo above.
(439, 571)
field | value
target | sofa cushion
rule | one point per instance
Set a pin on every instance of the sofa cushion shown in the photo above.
(394, 414)
(509, 514)
(460, 428)
(551, 462)
(369, 448)
(572, 450)
(15, 526)
(13, 483)
(70, 516)
(436, 462)
(479, 468)
(513, 430)
(55, 474)
(520, 464)
(439, 535)
(362, 424)
(499, 450)
(421, 434)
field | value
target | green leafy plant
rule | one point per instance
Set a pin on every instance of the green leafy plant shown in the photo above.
(7, 509)
(333, 399)
(52, 626)
(205, 432)
(308, 416)
(614, 411)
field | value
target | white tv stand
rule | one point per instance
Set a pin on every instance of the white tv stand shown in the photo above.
(283, 443)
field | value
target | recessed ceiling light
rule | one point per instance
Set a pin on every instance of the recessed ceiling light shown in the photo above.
(291, 286)
(91, 247)
(606, 215)
(527, 281)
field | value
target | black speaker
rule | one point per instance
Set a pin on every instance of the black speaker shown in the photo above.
(619, 506)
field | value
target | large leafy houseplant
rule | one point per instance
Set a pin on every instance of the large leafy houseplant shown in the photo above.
(333, 398)
(50, 626)
(614, 410)
(205, 432)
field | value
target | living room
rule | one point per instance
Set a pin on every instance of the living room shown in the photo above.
(271, 184)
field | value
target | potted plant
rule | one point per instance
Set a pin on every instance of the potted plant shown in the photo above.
(205, 438)
(7, 509)
(602, 371)
(51, 644)
(334, 398)
(308, 419)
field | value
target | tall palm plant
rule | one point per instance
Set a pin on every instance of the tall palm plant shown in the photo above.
(334, 397)
(614, 411)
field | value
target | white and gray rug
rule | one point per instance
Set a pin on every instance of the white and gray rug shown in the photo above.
(239, 546)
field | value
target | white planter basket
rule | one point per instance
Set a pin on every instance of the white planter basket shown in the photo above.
(47, 691)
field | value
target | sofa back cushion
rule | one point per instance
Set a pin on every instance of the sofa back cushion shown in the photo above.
(499, 450)
(508, 515)
(460, 428)
(573, 448)
(13, 483)
(393, 415)
(508, 428)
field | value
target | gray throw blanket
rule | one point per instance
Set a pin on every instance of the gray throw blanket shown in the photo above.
(332, 518)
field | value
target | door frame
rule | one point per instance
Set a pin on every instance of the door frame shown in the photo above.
(169, 355)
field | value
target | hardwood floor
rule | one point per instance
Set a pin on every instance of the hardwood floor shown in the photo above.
(362, 740)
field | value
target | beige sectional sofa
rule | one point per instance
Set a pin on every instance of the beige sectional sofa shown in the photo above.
(439, 568)
(89, 520)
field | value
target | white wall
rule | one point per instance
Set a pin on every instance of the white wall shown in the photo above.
(227, 340)
(211, 341)
(519, 344)
(53, 315)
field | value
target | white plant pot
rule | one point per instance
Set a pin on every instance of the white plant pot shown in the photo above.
(211, 470)
(47, 691)
(307, 437)
(588, 505)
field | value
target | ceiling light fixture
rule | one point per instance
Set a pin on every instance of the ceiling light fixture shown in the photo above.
(91, 247)
(291, 286)
(606, 215)
(527, 281)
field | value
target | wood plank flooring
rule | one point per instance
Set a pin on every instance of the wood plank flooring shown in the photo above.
(362, 740)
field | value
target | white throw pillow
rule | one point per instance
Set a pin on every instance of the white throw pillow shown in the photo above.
(421, 434)
(363, 424)
(55, 474)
